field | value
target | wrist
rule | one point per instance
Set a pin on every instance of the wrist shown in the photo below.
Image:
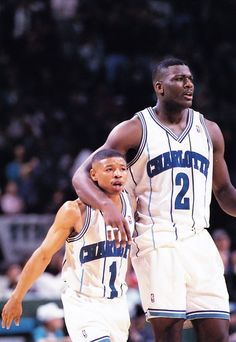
(16, 297)
(106, 204)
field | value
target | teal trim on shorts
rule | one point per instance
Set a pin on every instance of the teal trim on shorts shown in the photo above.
(152, 313)
(208, 314)
(102, 339)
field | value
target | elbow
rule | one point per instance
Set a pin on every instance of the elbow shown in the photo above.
(75, 182)
(80, 178)
(42, 256)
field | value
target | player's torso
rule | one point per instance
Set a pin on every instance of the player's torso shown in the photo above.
(93, 265)
(172, 176)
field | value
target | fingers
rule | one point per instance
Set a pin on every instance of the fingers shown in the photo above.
(117, 234)
(7, 320)
(120, 233)
(127, 232)
(125, 235)
(17, 321)
(112, 233)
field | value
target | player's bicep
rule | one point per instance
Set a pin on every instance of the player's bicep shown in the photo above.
(67, 217)
(53, 241)
(221, 177)
(125, 136)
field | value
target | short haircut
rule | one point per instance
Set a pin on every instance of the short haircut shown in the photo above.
(158, 68)
(106, 153)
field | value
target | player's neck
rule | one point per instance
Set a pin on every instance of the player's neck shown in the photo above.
(174, 116)
(115, 199)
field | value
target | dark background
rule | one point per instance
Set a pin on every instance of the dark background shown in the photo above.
(68, 75)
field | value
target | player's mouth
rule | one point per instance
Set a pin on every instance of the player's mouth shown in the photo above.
(188, 95)
(117, 184)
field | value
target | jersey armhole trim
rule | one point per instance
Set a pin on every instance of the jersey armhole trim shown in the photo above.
(140, 116)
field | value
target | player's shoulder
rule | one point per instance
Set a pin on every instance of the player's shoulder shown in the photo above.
(125, 135)
(212, 126)
(68, 215)
(72, 206)
(214, 132)
(132, 123)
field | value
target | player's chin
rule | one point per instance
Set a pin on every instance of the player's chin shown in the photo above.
(188, 102)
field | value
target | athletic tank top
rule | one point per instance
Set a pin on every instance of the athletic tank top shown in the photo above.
(172, 179)
(93, 265)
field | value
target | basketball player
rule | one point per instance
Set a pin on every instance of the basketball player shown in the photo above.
(178, 161)
(94, 269)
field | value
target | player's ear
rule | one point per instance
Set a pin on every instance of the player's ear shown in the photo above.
(93, 175)
(158, 88)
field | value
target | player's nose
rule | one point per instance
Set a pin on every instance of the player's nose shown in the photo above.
(117, 173)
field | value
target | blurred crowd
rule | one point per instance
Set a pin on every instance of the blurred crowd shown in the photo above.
(70, 70)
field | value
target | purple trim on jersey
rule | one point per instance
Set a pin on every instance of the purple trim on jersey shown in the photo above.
(143, 139)
(210, 145)
(179, 138)
(206, 130)
(74, 237)
(193, 188)
(172, 191)
(149, 203)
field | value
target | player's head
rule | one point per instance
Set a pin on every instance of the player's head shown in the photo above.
(109, 170)
(160, 68)
(173, 83)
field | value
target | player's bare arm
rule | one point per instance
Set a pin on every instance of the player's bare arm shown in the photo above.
(123, 137)
(224, 191)
(67, 217)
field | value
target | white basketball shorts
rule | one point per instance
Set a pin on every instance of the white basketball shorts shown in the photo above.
(183, 279)
(93, 319)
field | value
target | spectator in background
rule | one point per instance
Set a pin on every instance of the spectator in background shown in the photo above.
(11, 202)
(51, 328)
(64, 9)
(140, 330)
(12, 274)
(223, 244)
(10, 280)
(13, 167)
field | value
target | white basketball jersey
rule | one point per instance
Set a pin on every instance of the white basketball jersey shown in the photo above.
(93, 265)
(172, 179)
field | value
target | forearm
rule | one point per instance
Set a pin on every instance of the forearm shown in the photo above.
(34, 267)
(226, 198)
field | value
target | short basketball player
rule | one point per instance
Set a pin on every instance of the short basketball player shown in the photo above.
(94, 269)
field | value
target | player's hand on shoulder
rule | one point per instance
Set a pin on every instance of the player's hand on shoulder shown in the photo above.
(114, 219)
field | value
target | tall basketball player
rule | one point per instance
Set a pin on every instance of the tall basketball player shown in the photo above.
(94, 269)
(178, 160)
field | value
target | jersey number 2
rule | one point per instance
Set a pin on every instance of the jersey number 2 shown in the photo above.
(182, 202)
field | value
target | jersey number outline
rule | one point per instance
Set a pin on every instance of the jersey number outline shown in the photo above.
(113, 271)
(182, 202)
